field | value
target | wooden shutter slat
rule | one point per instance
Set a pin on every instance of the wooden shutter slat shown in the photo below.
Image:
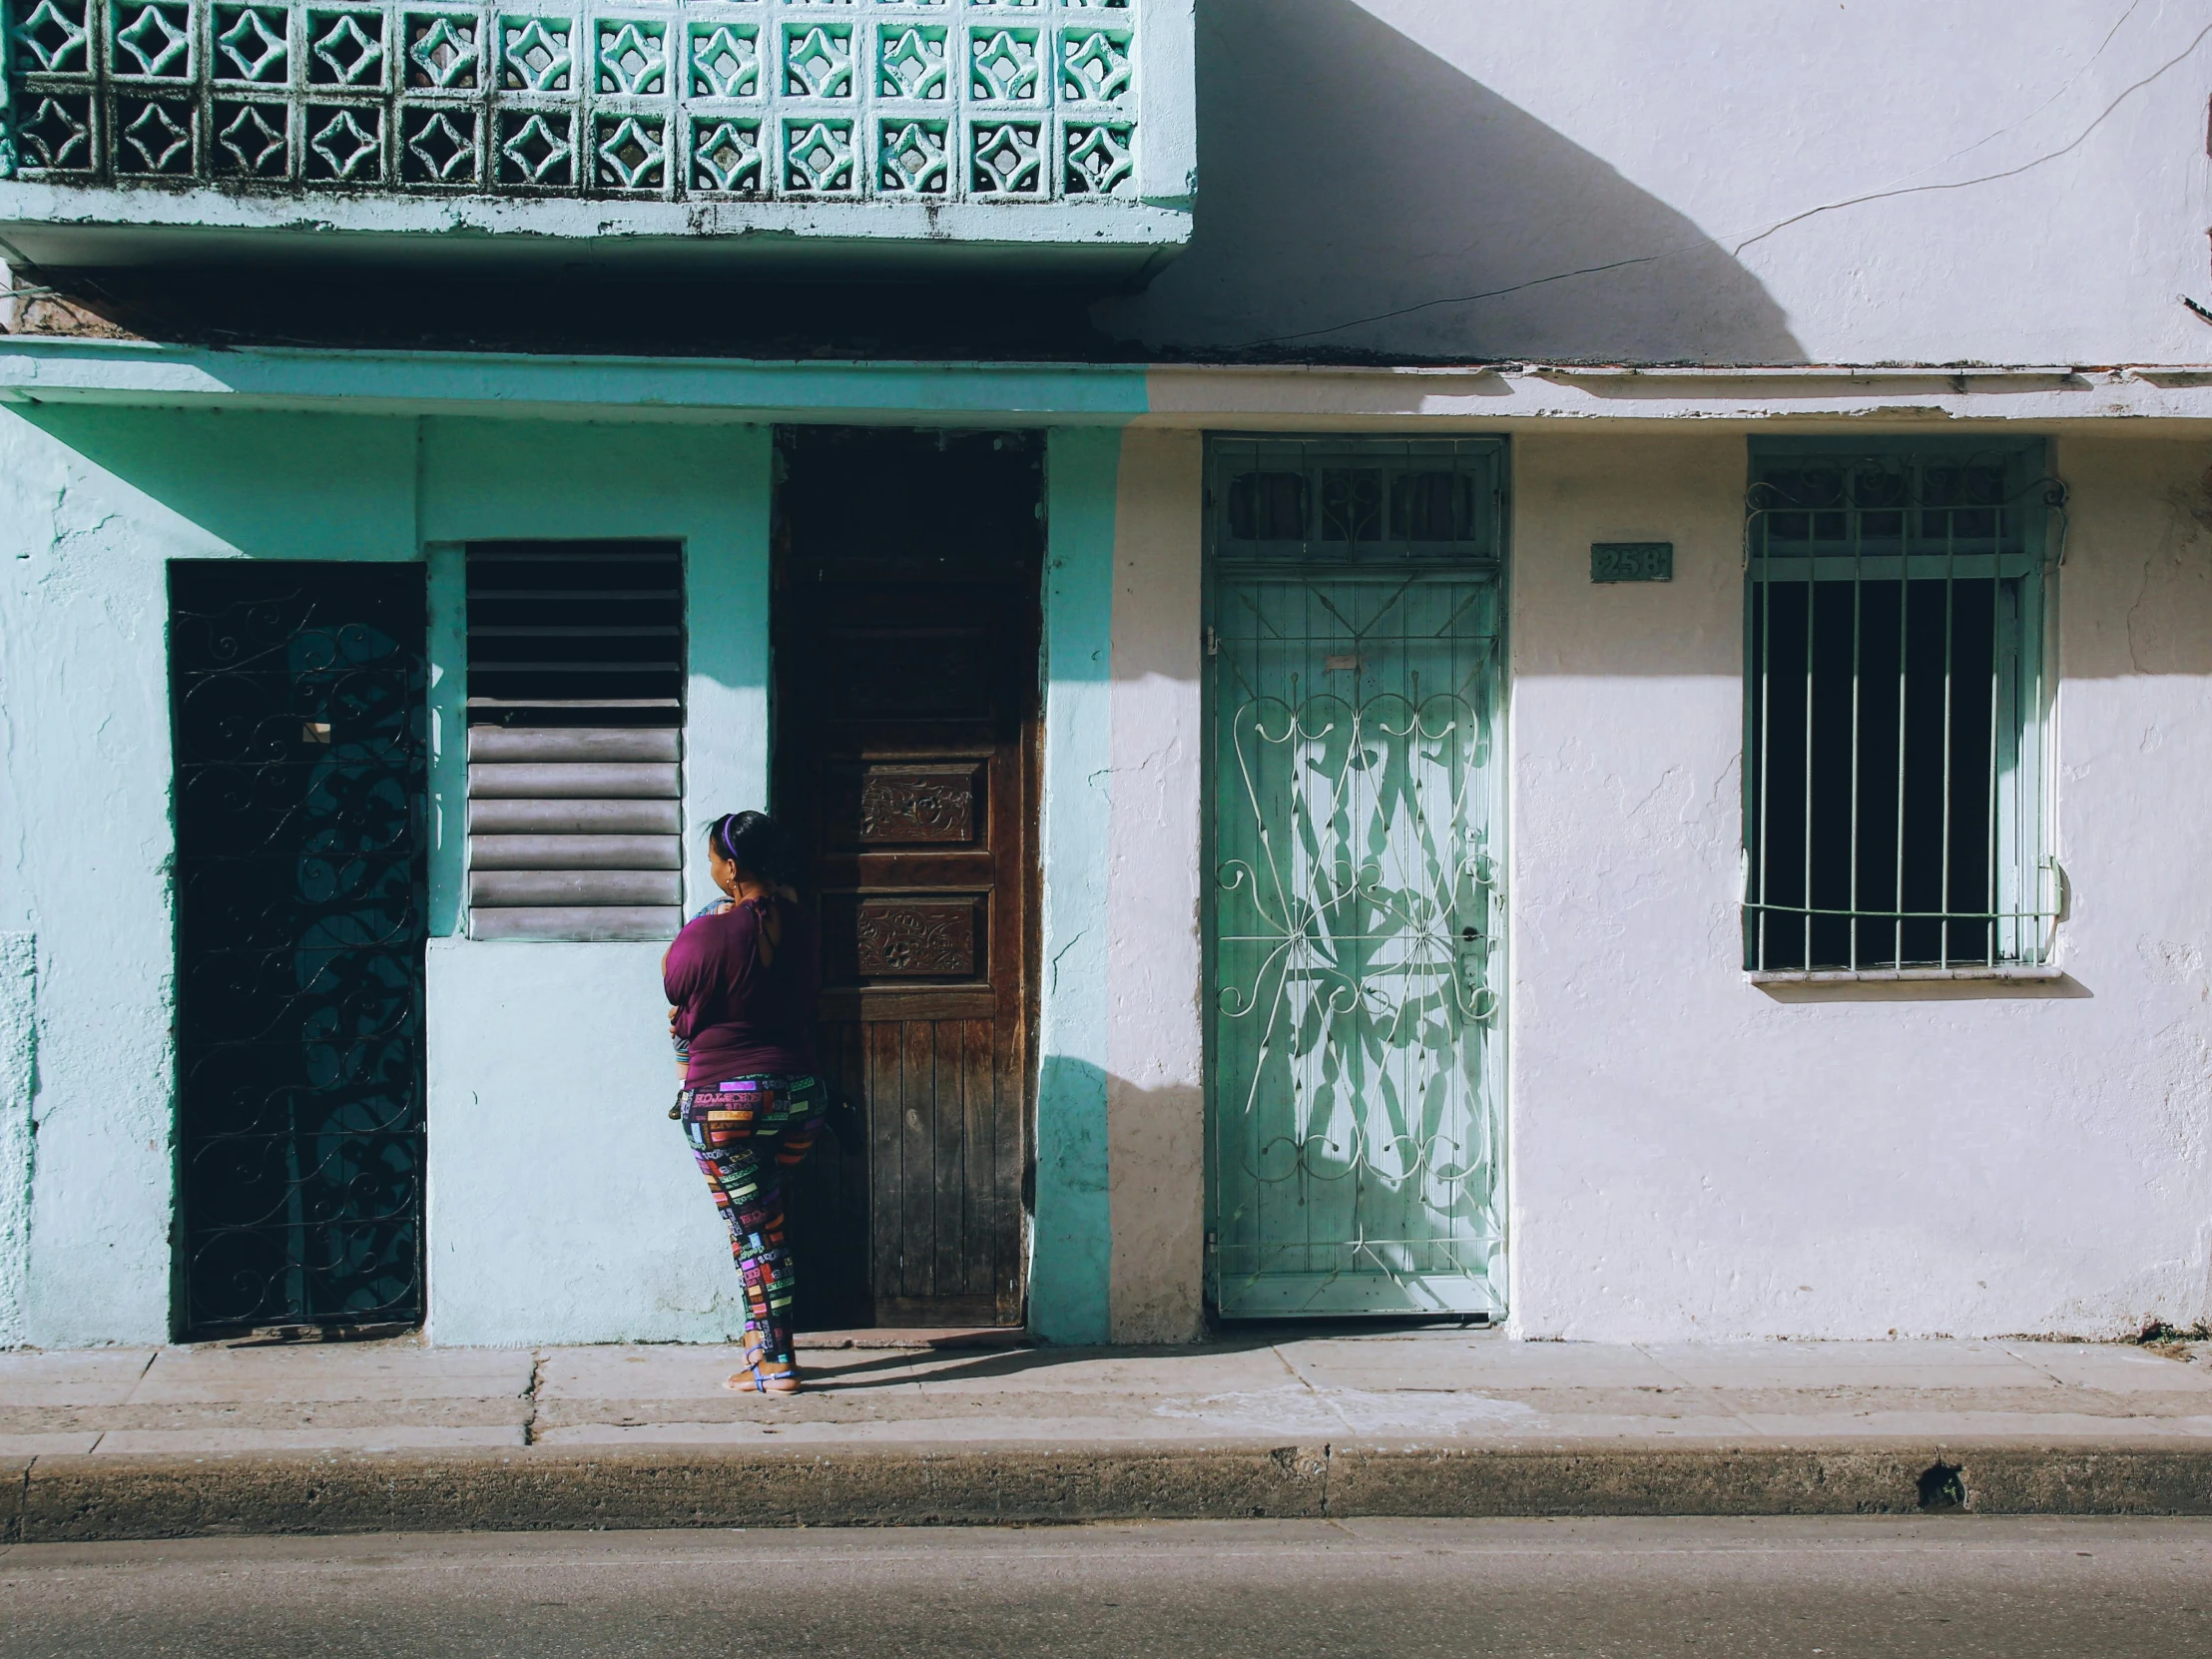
(556, 817)
(581, 923)
(532, 888)
(575, 852)
(569, 744)
(604, 780)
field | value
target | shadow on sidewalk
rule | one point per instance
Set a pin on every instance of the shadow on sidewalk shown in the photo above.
(1239, 1339)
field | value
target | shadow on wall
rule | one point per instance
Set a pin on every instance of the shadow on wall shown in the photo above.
(269, 484)
(1345, 172)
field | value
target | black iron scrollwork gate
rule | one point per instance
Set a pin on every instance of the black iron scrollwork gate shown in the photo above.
(301, 754)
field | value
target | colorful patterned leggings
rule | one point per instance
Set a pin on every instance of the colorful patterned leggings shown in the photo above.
(745, 1134)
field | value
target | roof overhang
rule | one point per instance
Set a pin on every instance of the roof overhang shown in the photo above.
(2162, 399)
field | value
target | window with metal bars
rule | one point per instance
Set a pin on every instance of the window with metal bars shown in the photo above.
(1895, 695)
(1374, 501)
(576, 668)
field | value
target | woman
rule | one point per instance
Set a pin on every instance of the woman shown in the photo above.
(742, 979)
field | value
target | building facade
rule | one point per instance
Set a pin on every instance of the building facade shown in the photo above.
(1576, 694)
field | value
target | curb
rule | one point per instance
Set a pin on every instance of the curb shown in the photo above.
(92, 1498)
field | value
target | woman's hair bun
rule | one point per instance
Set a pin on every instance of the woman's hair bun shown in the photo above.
(755, 842)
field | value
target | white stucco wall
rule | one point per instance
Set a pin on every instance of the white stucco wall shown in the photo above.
(1155, 1042)
(1694, 1156)
(2003, 181)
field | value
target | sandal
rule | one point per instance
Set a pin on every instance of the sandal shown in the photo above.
(752, 1380)
(758, 1379)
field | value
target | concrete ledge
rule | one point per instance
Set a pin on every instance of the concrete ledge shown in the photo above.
(1642, 1480)
(1831, 1480)
(90, 1499)
(87, 1499)
(2012, 1480)
(15, 1478)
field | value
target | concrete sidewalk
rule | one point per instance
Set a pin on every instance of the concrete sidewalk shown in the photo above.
(157, 1442)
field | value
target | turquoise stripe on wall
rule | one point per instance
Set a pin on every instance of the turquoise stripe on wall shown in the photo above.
(1072, 1247)
(448, 699)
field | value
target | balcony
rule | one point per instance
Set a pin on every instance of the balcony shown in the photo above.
(1012, 133)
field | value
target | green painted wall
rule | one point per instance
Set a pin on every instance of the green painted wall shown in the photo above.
(562, 1204)
(17, 1083)
(564, 1207)
(706, 486)
(94, 502)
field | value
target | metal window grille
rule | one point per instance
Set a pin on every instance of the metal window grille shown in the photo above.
(1895, 778)
(574, 711)
(1378, 501)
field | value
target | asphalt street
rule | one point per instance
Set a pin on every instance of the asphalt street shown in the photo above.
(1955, 1586)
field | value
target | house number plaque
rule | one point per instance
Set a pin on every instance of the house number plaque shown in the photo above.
(1632, 561)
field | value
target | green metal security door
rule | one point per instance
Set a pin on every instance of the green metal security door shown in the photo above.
(1353, 656)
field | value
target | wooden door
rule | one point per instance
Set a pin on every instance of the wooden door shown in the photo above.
(906, 617)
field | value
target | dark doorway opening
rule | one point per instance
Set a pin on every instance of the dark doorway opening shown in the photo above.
(906, 615)
(300, 759)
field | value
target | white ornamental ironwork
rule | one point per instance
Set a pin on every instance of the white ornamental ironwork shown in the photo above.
(929, 99)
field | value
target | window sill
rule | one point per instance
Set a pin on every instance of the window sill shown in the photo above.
(2002, 974)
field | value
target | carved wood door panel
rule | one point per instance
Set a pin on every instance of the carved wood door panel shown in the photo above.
(905, 734)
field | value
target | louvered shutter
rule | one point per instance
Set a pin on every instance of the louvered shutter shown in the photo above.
(575, 710)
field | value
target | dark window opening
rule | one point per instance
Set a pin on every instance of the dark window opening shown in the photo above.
(1872, 762)
(576, 634)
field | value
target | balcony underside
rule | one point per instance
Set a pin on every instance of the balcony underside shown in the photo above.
(97, 225)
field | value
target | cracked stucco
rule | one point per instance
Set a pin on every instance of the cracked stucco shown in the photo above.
(1694, 1156)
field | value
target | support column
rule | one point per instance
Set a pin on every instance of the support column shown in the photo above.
(1155, 1038)
(1071, 1241)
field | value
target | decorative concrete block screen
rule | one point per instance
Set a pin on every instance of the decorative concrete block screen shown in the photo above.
(575, 716)
(812, 101)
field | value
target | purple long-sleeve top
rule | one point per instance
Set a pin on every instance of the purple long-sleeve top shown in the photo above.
(740, 1017)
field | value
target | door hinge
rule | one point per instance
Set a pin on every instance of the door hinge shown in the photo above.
(1211, 641)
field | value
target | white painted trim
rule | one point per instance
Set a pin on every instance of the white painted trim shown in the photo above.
(1895, 976)
(1809, 398)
